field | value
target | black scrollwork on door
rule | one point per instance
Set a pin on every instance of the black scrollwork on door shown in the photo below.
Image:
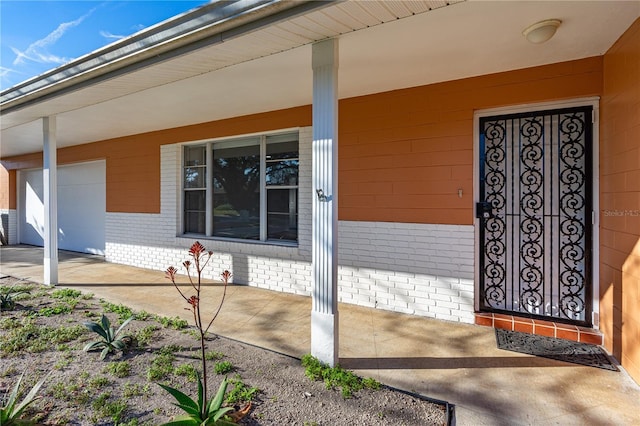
(534, 210)
(494, 224)
(572, 215)
(531, 205)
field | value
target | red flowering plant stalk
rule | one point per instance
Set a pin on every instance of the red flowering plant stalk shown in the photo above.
(203, 411)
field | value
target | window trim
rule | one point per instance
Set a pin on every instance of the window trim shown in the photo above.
(209, 146)
(184, 189)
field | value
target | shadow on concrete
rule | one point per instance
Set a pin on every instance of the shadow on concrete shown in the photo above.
(447, 363)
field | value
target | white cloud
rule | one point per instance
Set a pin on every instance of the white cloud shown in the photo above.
(110, 36)
(38, 50)
(5, 71)
(19, 56)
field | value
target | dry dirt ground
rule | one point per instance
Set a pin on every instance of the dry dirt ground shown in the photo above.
(44, 336)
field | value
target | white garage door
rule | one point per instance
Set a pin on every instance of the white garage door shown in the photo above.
(81, 207)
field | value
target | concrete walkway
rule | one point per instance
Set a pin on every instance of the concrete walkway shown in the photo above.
(458, 363)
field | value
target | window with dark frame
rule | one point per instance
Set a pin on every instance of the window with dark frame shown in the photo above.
(253, 188)
(194, 184)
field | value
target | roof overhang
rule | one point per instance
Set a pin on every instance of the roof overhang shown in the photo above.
(230, 59)
(215, 23)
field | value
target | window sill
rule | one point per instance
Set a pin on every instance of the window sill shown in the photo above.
(288, 244)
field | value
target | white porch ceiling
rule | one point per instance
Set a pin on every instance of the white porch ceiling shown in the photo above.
(384, 45)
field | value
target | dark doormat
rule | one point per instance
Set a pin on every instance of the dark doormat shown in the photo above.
(550, 347)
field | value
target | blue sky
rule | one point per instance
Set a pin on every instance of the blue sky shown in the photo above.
(36, 36)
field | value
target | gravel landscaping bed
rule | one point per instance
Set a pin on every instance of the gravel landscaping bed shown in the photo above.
(43, 335)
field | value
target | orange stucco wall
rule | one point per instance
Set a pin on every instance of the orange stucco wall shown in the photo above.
(7, 181)
(133, 162)
(404, 154)
(620, 201)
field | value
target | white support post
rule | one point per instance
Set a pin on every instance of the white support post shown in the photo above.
(324, 314)
(50, 187)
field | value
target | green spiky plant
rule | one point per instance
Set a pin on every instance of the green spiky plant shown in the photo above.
(111, 340)
(10, 413)
(7, 295)
(204, 411)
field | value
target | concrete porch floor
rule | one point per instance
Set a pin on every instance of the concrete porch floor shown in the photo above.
(458, 363)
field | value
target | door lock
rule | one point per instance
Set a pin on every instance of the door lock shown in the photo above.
(484, 210)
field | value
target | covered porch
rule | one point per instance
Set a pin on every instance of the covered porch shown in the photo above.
(455, 362)
(411, 82)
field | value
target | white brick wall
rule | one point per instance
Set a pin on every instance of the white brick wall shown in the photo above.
(9, 225)
(419, 269)
(152, 240)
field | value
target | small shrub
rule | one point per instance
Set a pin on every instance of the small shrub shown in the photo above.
(144, 335)
(98, 382)
(176, 323)
(66, 293)
(161, 366)
(188, 371)
(336, 377)
(62, 390)
(170, 349)
(42, 292)
(223, 367)
(72, 303)
(114, 410)
(193, 333)
(9, 323)
(122, 311)
(100, 400)
(240, 392)
(371, 383)
(77, 394)
(63, 334)
(63, 348)
(118, 368)
(63, 362)
(143, 316)
(33, 338)
(211, 355)
(134, 389)
(50, 311)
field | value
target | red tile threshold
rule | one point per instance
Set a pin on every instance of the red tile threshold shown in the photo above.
(540, 327)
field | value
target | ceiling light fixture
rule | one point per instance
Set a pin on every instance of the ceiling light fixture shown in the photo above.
(541, 31)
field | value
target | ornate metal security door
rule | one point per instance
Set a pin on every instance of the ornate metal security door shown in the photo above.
(535, 214)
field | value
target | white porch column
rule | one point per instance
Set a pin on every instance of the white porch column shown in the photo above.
(324, 314)
(50, 189)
